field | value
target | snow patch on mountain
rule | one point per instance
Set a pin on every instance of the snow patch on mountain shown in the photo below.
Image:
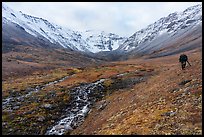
(89, 41)
(95, 41)
(41, 27)
(168, 26)
(102, 41)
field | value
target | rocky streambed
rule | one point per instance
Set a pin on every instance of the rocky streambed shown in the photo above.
(83, 98)
(14, 102)
(53, 115)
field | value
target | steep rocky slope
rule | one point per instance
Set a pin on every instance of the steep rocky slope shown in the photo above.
(175, 33)
(152, 38)
(39, 28)
(101, 41)
(158, 34)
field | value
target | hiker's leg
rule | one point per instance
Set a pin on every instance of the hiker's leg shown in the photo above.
(182, 65)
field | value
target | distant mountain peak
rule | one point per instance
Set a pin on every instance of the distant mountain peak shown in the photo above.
(97, 40)
(64, 37)
(168, 26)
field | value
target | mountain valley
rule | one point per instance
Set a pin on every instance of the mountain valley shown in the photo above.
(58, 81)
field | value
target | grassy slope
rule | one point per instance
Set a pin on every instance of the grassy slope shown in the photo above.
(32, 117)
(141, 109)
(23, 60)
(146, 108)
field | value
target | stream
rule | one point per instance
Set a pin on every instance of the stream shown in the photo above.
(11, 103)
(82, 99)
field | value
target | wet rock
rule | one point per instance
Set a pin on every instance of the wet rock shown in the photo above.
(175, 90)
(8, 110)
(158, 127)
(47, 106)
(41, 118)
(170, 114)
(102, 105)
(16, 107)
(184, 82)
(21, 99)
(58, 127)
(74, 109)
(28, 112)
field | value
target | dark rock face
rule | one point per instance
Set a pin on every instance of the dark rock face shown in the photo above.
(184, 82)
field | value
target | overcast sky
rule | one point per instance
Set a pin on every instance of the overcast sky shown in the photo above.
(122, 18)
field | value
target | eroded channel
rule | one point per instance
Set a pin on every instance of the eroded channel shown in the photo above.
(82, 100)
(11, 103)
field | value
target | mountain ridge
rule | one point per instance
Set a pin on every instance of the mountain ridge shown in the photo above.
(151, 39)
(64, 37)
(169, 25)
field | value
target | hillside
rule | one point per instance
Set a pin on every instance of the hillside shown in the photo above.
(39, 29)
(163, 31)
(57, 81)
(115, 98)
(22, 59)
(169, 102)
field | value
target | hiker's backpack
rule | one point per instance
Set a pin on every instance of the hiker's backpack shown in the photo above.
(183, 58)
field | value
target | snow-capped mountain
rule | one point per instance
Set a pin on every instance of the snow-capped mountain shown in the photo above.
(154, 37)
(91, 41)
(102, 41)
(41, 27)
(166, 29)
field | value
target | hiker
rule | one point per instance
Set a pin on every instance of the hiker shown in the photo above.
(183, 59)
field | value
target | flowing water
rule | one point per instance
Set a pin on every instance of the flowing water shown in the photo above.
(82, 98)
(13, 102)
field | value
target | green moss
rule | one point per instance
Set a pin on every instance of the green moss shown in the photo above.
(5, 117)
(108, 82)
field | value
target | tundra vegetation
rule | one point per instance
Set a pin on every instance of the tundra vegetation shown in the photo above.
(143, 96)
